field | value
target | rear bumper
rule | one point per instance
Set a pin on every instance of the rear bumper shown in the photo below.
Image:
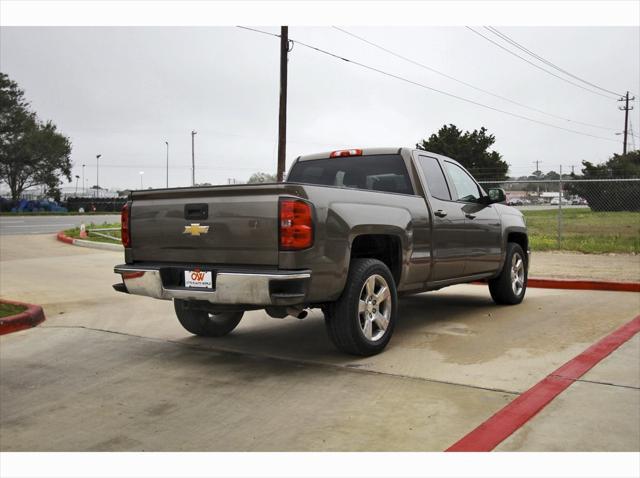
(231, 287)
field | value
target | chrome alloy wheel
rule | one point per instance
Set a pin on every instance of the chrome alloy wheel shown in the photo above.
(374, 308)
(517, 274)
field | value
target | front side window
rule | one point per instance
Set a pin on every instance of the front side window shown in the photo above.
(383, 172)
(466, 187)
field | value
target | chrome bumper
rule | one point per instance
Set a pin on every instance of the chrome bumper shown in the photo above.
(277, 288)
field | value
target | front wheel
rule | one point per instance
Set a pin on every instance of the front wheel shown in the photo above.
(510, 286)
(362, 320)
(206, 324)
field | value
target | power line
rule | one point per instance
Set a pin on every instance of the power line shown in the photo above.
(496, 32)
(538, 66)
(258, 31)
(421, 65)
(451, 95)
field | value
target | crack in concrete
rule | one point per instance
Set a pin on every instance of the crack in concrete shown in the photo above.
(347, 367)
(598, 383)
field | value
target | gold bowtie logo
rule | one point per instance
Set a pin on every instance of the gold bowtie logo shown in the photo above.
(195, 229)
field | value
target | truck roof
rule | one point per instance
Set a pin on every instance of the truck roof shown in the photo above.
(365, 152)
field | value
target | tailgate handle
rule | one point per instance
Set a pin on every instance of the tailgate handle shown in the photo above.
(196, 211)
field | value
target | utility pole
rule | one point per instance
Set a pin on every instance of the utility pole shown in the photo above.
(282, 122)
(167, 143)
(193, 159)
(84, 185)
(537, 161)
(626, 108)
(97, 174)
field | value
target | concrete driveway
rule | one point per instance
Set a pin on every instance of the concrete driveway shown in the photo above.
(109, 371)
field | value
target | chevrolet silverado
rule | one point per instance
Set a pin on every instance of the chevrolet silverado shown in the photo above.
(348, 232)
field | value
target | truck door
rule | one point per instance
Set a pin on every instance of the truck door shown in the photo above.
(482, 222)
(448, 231)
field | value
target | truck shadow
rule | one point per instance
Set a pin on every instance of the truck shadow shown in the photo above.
(427, 313)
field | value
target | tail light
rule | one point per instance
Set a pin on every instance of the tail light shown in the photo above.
(346, 153)
(125, 231)
(296, 225)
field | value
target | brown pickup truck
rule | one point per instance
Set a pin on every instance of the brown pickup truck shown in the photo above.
(348, 232)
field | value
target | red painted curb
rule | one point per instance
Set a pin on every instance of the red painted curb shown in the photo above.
(61, 237)
(31, 317)
(507, 420)
(579, 284)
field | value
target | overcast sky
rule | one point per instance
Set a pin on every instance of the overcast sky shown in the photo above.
(122, 92)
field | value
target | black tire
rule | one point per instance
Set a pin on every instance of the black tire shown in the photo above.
(502, 288)
(347, 326)
(205, 324)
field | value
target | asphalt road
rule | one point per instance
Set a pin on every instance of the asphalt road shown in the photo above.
(11, 225)
(110, 371)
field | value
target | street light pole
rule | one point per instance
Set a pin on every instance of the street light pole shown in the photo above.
(193, 159)
(84, 189)
(97, 174)
(167, 143)
(77, 177)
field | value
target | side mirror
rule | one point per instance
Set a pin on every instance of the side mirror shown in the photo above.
(495, 195)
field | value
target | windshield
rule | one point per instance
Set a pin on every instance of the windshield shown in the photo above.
(383, 172)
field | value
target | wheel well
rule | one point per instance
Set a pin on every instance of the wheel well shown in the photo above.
(385, 248)
(519, 238)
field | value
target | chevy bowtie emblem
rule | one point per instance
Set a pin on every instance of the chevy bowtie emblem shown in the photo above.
(195, 229)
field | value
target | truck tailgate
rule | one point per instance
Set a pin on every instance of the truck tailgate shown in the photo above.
(242, 225)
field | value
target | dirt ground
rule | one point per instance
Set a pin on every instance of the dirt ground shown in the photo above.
(570, 265)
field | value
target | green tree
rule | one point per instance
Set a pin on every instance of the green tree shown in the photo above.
(471, 149)
(32, 152)
(262, 178)
(610, 195)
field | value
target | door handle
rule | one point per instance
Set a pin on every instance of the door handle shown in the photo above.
(440, 213)
(470, 216)
(196, 211)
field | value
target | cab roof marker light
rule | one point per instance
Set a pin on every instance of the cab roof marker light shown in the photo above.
(343, 153)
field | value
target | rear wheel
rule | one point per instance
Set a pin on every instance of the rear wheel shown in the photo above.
(510, 286)
(361, 322)
(206, 324)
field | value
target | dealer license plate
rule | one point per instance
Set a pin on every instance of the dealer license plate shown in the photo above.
(202, 279)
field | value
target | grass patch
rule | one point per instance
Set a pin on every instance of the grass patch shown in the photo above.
(75, 232)
(10, 309)
(584, 231)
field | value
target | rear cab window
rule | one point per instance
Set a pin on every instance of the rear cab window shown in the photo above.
(381, 172)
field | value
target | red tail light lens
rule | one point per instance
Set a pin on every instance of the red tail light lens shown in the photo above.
(296, 225)
(125, 231)
(346, 153)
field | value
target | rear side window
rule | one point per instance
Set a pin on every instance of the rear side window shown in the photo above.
(436, 182)
(384, 172)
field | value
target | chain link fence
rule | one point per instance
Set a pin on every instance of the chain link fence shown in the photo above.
(585, 215)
